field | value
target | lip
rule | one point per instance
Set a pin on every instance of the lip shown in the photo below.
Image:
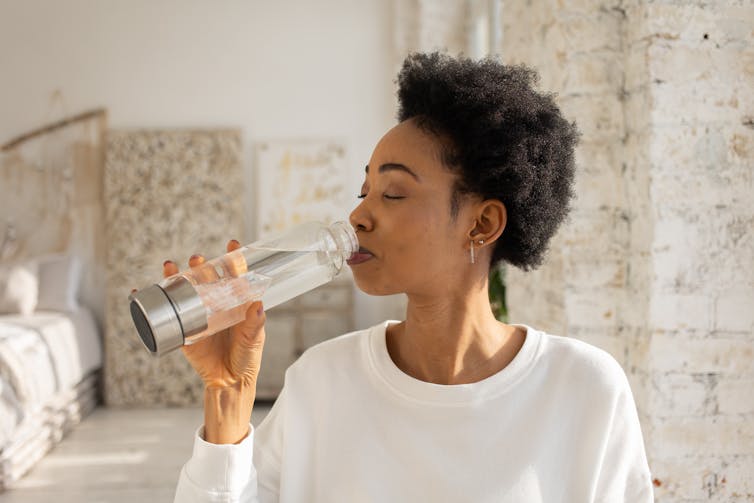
(360, 256)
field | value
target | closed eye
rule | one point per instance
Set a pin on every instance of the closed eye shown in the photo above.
(386, 196)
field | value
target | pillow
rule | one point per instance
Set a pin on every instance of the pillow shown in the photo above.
(59, 280)
(19, 288)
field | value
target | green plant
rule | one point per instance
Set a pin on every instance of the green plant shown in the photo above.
(497, 293)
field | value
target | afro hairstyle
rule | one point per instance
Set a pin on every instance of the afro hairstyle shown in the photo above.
(504, 140)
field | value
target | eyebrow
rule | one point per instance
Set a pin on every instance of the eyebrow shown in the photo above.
(394, 166)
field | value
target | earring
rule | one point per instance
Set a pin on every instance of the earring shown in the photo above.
(481, 242)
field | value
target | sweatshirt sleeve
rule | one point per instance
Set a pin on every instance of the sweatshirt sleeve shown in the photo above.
(624, 474)
(247, 472)
(219, 473)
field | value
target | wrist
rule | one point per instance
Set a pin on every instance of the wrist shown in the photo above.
(227, 412)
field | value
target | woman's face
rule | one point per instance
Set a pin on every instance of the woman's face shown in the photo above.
(404, 219)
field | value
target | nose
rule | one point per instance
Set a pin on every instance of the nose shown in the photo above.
(361, 218)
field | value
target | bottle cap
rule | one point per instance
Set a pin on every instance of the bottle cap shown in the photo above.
(166, 315)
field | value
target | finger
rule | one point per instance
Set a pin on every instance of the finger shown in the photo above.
(203, 272)
(195, 260)
(251, 329)
(237, 263)
(169, 268)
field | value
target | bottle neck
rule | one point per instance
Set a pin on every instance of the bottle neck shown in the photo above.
(346, 239)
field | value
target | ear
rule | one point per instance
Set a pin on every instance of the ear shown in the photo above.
(490, 219)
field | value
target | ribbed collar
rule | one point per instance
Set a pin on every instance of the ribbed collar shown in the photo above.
(443, 394)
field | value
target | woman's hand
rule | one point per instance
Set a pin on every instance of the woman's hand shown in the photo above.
(228, 363)
(230, 356)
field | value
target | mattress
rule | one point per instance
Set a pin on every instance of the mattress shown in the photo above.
(49, 365)
(71, 340)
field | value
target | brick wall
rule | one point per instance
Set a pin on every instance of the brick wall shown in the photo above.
(656, 264)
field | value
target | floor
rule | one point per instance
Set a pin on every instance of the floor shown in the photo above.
(115, 456)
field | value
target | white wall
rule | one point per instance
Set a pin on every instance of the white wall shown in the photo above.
(277, 69)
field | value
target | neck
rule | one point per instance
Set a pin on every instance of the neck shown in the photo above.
(452, 339)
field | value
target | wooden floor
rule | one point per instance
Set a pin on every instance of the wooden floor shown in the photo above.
(116, 456)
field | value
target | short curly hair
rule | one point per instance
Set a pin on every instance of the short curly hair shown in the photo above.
(505, 140)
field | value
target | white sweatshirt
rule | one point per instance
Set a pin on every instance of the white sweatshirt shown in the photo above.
(558, 424)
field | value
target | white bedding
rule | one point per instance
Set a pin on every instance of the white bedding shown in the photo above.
(43, 358)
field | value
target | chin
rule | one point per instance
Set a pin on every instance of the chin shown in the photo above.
(376, 288)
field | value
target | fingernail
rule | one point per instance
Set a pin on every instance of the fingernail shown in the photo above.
(235, 241)
(133, 290)
(194, 257)
(164, 264)
(260, 311)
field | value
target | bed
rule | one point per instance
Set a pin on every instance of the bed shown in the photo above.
(50, 360)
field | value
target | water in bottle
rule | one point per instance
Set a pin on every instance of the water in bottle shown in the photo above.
(205, 299)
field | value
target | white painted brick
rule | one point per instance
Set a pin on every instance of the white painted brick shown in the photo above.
(673, 270)
(734, 310)
(637, 103)
(707, 477)
(674, 273)
(638, 342)
(664, 201)
(599, 186)
(724, 24)
(696, 187)
(636, 67)
(592, 276)
(600, 118)
(593, 234)
(636, 27)
(679, 352)
(674, 63)
(583, 7)
(679, 395)
(736, 396)
(441, 26)
(672, 311)
(636, 155)
(687, 148)
(717, 249)
(698, 102)
(544, 284)
(592, 74)
(638, 382)
(597, 31)
(699, 436)
(711, 251)
(592, 309)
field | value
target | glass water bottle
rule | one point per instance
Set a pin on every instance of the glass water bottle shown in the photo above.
(205, 299)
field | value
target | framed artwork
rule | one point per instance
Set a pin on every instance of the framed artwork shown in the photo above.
(299, 181)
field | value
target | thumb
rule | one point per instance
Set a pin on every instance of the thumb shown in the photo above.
(251, 329)
(256, 312)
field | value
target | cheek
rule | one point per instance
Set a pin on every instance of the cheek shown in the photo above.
(415, 235)
(422, 243)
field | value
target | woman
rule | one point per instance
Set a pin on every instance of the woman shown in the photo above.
(449, 404)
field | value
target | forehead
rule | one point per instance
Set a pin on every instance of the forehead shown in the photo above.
(408, 144)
